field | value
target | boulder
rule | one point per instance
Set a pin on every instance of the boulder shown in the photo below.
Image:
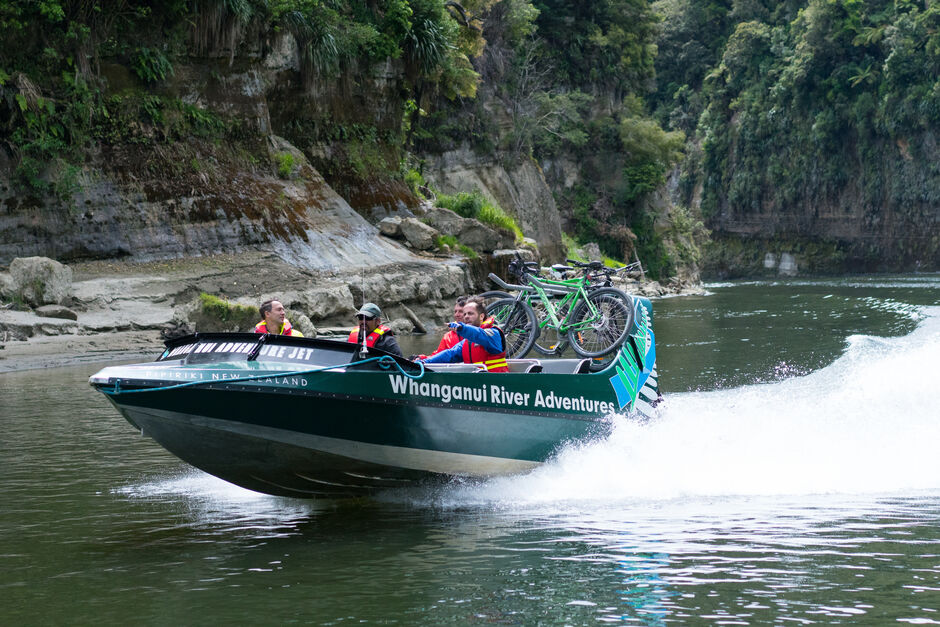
(470, 232)
(40, 281)
(176, 329)
(445, 221)
(6, 287)
(401, 326)
(592, 252)
(390, 226)
(56, 311)
(304, 325)
(504, 238)
(479, 237)
(325, 302)
(651, 289)
(531, 244)
(419, 234)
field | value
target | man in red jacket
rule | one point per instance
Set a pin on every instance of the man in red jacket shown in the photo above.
(451, 339)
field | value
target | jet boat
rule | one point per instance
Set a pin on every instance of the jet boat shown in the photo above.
(310, 417)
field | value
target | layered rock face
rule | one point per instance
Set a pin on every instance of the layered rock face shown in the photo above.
(144, 215)
(159, 200)
(522, 190)
(840, 234)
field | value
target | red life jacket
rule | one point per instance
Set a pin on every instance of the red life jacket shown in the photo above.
(475, 354)
(286, 328)
(450, 340)
(372, 338)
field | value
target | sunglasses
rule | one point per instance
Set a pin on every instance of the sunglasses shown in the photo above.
(361, 317)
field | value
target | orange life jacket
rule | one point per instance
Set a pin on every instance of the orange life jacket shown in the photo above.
(286, 328)
(372, 338)
(475, 354)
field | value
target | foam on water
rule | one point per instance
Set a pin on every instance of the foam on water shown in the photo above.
(868, 423)
(210, 500)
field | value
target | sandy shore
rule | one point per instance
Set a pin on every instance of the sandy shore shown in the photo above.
(55, 351)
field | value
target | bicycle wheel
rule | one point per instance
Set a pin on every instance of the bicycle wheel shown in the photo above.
(492, 296)
(593, 334)
(517, 320)
(549, 340)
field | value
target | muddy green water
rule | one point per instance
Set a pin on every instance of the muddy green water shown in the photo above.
(793, 476)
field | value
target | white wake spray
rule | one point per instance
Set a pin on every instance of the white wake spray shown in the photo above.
(868, 423)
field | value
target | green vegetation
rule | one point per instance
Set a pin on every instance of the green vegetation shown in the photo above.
(414, 181)
(572, 247)
(573, 78)
(445, 240)
(815, 103)
(467, 252)
(573, 251)
(475, 205)
(218, 314)
(451, 242)
(55, 102)
(760, 107)
(285, 165)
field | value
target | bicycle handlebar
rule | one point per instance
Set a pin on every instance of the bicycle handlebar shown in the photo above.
(598, 267)
(591, 265)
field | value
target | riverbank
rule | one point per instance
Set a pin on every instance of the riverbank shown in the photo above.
(120, 310)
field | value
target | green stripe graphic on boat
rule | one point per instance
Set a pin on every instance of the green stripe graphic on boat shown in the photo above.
(631, 370)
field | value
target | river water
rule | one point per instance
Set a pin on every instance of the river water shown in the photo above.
(792, 476)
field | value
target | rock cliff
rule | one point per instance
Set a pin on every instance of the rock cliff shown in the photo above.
(521, 188)
(147, 199)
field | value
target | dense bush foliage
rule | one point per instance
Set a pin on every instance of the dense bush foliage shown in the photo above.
(763, 105)
(54, 103)
(819, 102)
(569, 82)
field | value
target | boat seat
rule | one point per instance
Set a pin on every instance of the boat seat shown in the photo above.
(454, 367)
(524, 365)
(566, 366)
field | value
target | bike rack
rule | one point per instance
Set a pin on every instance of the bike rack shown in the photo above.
(508, 286)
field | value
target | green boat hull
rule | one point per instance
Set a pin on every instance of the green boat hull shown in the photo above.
(307, 417)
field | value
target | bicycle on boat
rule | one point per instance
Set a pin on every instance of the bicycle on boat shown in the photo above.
(549, 314)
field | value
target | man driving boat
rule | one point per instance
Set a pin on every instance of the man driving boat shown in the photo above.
(376, 334)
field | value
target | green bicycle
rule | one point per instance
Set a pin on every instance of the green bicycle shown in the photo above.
(593, 320)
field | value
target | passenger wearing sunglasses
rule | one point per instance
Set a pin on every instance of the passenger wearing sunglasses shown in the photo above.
(377, 334)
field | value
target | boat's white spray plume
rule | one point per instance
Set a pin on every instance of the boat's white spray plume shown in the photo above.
(868, 423)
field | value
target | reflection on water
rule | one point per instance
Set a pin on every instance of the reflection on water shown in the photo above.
(813, 496)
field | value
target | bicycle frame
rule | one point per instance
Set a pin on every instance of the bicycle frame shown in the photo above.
(576, 293)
